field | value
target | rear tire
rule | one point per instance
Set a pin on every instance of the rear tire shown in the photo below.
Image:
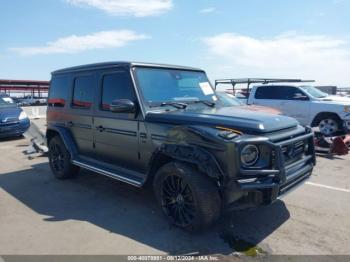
(188, 198)
(59, 159)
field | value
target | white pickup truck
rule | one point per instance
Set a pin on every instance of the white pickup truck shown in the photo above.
(307, 104)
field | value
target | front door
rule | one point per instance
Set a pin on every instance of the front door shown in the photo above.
(116, 134)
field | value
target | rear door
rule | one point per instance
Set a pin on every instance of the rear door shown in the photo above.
(79, 119)
(116, 134)
(290, 100)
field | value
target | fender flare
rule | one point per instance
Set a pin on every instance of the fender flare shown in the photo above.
(66, 137)
(196, 155)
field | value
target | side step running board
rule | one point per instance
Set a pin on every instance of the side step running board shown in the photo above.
(108, 173)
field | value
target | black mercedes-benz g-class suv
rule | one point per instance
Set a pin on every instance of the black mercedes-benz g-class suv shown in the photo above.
(164, 126)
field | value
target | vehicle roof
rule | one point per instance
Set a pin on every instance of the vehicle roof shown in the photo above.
(121, 63)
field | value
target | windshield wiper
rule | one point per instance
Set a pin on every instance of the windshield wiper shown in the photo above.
(206, 102)
(177, 105)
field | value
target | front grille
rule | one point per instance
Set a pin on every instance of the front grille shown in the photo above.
(9, 121)
(294, 151)
(291, 152)
(9, 124)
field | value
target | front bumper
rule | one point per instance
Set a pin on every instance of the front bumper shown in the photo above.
(14, 128)
(345, 118)
(262, 187)
(346, 125)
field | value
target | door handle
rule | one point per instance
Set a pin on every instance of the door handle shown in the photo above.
(100, 128)
(70, 124)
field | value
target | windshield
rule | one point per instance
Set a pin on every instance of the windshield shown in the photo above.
(228, 99)
(160, 85)
(6, 101)
(313, 91)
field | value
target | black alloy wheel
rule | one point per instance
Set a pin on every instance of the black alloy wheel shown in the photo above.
(177, 200)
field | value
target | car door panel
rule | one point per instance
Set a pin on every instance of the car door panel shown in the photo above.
(80, 120)
(116, 141)
(116, 134)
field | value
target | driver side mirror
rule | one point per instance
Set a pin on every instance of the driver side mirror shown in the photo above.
(301, 97)
(122, 106)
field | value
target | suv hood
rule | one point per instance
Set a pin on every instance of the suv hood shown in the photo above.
(340, 100)
(233, 117)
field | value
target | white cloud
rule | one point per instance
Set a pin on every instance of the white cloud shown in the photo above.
(138, 8)
(324, 58)
(207, 10)
(75, 44)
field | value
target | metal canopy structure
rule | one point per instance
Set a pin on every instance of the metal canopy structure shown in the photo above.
(25, 86)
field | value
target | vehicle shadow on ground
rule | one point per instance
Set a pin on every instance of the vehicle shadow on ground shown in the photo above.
(124, 210)
(9, 139)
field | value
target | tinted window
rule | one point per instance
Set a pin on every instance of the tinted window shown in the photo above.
(228, 99)
(83, 92)
(58, 91)
(116, 86)
(278, 93)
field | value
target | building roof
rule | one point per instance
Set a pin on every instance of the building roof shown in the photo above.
(23, 82)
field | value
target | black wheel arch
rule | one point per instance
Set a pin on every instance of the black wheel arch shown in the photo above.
(199, 157)
(192, 145)
(66, 137)
(322, 115)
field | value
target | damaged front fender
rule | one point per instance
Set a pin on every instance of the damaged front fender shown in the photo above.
(194, 145)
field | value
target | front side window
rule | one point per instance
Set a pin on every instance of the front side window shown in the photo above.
(115, 86)
(83, 92)
(313, 91)
(160, 85)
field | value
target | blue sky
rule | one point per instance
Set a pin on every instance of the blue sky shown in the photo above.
(227, 38)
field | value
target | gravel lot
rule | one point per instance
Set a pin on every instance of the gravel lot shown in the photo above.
(92, 214)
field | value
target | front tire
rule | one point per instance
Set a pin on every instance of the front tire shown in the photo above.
(59, 159)
(329, 125)
(188, 198)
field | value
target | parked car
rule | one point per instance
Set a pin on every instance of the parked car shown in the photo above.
(29, 100)
(307, 104)
(13, 120)
(164, 126)
(232, 100)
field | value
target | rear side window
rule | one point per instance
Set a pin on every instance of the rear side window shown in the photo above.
(58, 91)
(265, 92)
(116, 85)
(83, 92)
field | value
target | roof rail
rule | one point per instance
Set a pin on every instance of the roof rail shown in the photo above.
(249, 81)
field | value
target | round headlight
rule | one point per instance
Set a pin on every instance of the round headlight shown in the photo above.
(249, 155)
